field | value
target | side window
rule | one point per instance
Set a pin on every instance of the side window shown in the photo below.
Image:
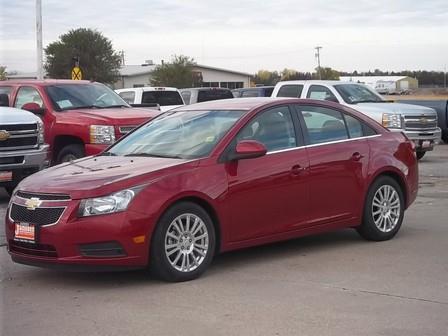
(186, 96)
(320, 92)
(26, 95)
(323, 124)
(249, 93)
(6, 90)
(128, 96)
(273, 128)
(290, 91)
(354, 126)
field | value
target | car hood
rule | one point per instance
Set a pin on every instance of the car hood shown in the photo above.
(10, 115)
(116, 115)
(100, 175)
(397, 108)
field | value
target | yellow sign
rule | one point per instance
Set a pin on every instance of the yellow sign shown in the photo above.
(76, 73)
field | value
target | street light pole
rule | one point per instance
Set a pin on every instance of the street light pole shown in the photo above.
(318, 61)
(40, 72)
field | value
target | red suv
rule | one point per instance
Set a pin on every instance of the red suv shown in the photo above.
(80, 117)
(215, 177)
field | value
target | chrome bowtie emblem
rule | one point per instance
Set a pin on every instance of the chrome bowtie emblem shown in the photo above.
(4, 135)
(33, 203)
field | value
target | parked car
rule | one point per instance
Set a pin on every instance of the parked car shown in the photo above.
(166, 98)
(213, 177)
(441, 107)
(259, 91)
(199, 95)
(80, 117)
(417, 122)
(22, 148)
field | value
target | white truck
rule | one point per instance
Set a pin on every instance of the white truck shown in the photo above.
(166, 98)
(22, 148)
(417, 122)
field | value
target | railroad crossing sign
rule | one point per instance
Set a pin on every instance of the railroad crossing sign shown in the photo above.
(76, 73)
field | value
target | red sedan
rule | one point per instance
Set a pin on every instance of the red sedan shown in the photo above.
(215, 177)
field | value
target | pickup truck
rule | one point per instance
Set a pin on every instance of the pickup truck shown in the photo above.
(441, 107)
(80, 117)
(203, 94)
(22, 148)
(417, 122)
(167, 98)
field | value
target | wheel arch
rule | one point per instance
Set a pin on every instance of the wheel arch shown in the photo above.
(60, 141)
(397, 176)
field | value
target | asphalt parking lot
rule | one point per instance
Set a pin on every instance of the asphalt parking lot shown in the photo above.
(331, 284)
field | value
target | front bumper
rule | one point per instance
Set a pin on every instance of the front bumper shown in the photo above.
(63, 245)
(24, 163)
(424, 140)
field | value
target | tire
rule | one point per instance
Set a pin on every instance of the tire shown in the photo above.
(170, 263)
(385, 224)
(70, 152)
(420, 155)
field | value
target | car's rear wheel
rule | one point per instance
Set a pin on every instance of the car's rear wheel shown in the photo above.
(383, 210)
(183, 243)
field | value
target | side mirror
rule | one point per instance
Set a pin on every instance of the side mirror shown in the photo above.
(4, 99)
(33, 108)
(248, 149)
(332, 99)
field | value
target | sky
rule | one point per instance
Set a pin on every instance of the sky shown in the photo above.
(242, 35)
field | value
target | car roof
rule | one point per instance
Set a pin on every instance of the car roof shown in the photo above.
(232, 104)
(149, 88)
(205, 89)
(43, 82)
(328, 82)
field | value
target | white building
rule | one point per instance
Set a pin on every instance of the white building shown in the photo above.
(140, 75)
(385, 84)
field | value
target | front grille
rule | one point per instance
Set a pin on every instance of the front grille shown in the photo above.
(11, 160)
(43, 197)
(21, 136)
(420, 123)
(126, 129)
(19, 128)
(98, 250)
(40, 250)
(38, 216)
(16, 143)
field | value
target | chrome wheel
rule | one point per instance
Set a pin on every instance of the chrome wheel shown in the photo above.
(386, 208)
(186, 242)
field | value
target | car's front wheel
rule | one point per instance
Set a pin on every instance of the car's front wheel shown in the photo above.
(183, 243)
(383, 210)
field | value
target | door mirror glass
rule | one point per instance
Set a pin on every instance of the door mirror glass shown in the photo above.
(248, 149)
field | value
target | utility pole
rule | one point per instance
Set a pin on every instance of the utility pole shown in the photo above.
(40, 72)
(444, 78)
(318, 60)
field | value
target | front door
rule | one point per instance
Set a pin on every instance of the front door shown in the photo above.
(269, 194)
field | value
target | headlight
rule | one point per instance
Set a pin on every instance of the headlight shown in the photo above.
(391, 120)
(116, 202)
(40, 129)
(101, 134)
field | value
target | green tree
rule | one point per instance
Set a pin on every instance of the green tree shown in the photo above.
(3, 73)
(97, 58)
(176, 73)
(266, 77)
(326, 74)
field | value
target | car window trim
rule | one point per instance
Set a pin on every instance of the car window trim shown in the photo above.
(31, 87)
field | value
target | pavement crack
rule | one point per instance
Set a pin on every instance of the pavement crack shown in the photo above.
(392, 295)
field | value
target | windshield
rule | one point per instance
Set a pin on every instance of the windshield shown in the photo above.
(184, 135)
(163, 98)
(355, 93)
(89, 95)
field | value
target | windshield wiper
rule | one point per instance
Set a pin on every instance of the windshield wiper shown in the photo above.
(155, 155)
(367, 101)
(107, 154)
(112, 106)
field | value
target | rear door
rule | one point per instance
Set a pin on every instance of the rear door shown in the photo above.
(338, 154)
(269, 194)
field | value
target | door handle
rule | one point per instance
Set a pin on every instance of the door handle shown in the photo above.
(297, 170)
(356, 156)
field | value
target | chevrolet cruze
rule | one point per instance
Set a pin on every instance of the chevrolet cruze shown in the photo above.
(214, 177)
